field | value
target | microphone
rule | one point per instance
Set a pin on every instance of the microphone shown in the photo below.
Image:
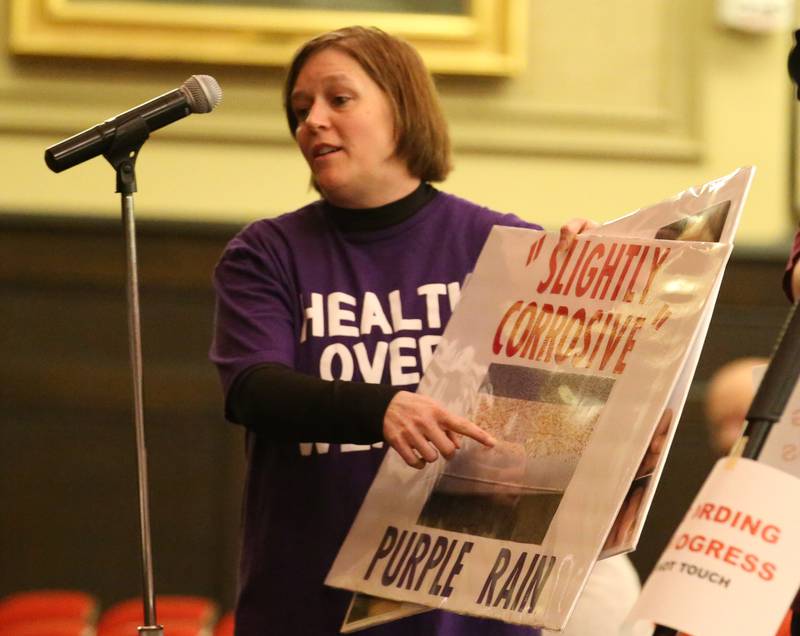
(198, 94)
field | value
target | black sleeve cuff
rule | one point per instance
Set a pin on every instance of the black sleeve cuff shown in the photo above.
(288, 406)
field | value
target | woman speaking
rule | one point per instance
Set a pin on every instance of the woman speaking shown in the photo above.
(326, 317)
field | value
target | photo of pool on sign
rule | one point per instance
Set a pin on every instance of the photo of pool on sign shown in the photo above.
(543, 421)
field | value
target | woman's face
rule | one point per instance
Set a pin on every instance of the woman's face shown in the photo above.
(346, 133)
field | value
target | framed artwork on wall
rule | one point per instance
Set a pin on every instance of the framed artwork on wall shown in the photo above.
(462, 37)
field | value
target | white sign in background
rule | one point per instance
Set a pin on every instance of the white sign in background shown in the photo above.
(733, 565)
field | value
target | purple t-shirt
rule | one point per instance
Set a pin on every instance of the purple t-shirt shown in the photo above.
(367, 306)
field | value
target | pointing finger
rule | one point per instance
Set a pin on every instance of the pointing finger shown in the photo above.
(470, 429)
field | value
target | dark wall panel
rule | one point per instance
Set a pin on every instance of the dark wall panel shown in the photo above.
(67, 442)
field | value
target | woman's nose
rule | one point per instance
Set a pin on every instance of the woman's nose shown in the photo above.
(317, 116)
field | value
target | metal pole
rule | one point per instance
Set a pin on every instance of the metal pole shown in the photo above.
(135, 345)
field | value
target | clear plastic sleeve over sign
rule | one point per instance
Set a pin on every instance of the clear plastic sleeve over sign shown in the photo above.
(578, 361)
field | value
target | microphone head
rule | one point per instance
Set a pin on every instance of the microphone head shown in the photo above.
(202, 93)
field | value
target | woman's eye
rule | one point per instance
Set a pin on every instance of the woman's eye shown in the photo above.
(341, 100)
(301, 113)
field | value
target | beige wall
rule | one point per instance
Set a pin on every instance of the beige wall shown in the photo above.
(623, 103)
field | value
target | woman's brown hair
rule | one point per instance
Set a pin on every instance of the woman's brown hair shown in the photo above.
(396, 67)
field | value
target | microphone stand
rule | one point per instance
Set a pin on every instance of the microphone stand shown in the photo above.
(122, 155)
(766, 409)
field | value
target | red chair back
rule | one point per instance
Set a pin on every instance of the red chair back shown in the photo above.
(48, 604)
(172, 611)
(47, 627)
(171, 628)
(225, 625)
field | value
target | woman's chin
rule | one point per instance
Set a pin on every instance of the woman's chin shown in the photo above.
(342, 195)
(330, 188)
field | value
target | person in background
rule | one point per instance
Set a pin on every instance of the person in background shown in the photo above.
(728, 396)
(326, 317)
(611, 590)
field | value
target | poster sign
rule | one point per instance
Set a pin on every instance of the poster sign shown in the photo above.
(578, 361)
(733, 565)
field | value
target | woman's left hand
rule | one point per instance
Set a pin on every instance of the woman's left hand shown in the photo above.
(571, 229)
(420, 429)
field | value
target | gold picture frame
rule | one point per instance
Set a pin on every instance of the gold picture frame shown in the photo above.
(486, 37)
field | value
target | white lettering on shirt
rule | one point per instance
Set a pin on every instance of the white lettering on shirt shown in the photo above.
(399, 322)
(372, 315)
(307, 447)
(427, 344)
(398, 363)
(337, 315)
(371, 370)
(432, 293)
(316, 315)
(454, 294)
(340, 352)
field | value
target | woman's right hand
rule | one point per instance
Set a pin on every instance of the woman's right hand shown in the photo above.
(420, 429)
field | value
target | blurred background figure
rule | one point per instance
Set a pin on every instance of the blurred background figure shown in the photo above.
(728, 396)
(605, 602)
